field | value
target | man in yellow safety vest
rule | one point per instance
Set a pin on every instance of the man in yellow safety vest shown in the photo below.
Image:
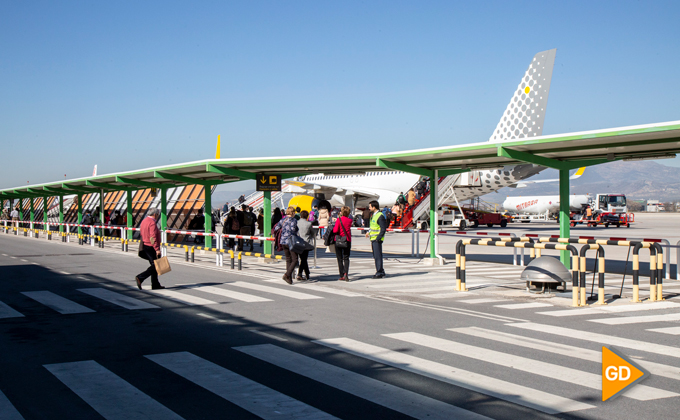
(376, 232)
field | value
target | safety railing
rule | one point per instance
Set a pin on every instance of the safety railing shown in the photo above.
(522, 242)
(656, 268)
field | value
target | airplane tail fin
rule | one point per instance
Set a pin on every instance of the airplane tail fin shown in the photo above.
(525, 113)
(219, 148)
(94, 171)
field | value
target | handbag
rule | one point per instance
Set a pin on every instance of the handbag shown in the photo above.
(162, 265)
(140, 252)
(341, 241)
(296, 244)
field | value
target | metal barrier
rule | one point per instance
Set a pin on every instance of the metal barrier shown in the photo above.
(601, 271)
(511, 242)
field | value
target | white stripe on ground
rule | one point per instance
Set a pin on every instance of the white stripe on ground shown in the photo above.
(118, 299)
(637, 319)
(7, 410)
(524, 305)
(7, 311)
(274, 290)
(667, 330)
(244, 297)
(319, 288)
(247, 394)
(447, 295)
(482, 300)
(183, 297)
(272, 336)
(324, 289)
(647, 306)
(58, 303)
(659, 369)
(429, 289)
(415, 283)
(378, 392)
(536, 367)
(108, 394)
(601, 338)
(528, 397)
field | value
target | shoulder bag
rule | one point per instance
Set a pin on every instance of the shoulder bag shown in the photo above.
(342, 241)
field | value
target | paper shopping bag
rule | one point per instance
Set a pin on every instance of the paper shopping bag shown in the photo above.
(162, 265)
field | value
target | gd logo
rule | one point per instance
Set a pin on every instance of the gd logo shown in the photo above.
(618, 373)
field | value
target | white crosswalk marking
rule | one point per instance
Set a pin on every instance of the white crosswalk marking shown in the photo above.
(58, 303)
(600, 338)
(528, 397)
(274, 290)
(413, 284)
(320, 288)
(481, 300)
(107, 393)
(247, 394)
(395, 398)
(667, 330)
(244, 297)
(6, 311)
(118, 299)
(524, 305)
(183, 297)
(446, 295)
(612, 308)
(429, 289)
(637, 319)
(7, 410)
(658, 369)
(536, 367)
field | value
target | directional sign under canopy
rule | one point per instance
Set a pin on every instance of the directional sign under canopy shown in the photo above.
(267, 182)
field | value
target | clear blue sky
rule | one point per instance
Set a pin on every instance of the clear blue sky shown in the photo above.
(127, 85)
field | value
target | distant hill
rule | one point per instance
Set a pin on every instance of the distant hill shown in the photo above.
(638, 180)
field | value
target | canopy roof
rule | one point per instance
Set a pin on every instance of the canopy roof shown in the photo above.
(562, 151)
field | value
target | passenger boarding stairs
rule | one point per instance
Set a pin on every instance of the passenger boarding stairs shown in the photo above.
(422, 206)
(256, 199)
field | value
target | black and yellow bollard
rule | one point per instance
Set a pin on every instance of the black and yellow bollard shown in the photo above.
(659, 272)
(240, 265)
(192, 254)
(186, 253)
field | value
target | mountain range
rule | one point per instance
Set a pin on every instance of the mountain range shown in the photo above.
(638, 180)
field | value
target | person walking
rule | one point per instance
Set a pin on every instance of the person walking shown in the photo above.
(276, 216)
(324, 218)
(411, 197)
(15, 217)
(342, 228)
(231, 226)
(151, 249)
(377, 236)
(306, 232)
(288, 227)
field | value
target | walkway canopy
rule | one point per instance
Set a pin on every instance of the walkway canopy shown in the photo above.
(562, 152)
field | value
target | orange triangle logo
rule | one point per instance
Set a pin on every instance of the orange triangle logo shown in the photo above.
(618, 373)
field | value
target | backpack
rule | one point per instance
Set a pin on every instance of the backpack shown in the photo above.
(235, 225)
(247, 219)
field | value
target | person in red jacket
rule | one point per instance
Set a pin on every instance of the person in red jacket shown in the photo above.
(342, 227)
(151, 242)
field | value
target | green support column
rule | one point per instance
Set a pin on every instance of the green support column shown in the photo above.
(79, 198)
(46, 226)
(207, 212)
(61, 213)
(564, 215)
(129, 213)
(434, 183)
(164, 208)
(21, 212)
(102, 213)
(31, 214)
(267, 221)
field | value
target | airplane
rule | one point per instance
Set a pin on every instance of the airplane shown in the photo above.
(542, 204)
(522, 118)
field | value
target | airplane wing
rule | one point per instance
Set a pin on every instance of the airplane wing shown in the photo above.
(523, 184)
(302, 187)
